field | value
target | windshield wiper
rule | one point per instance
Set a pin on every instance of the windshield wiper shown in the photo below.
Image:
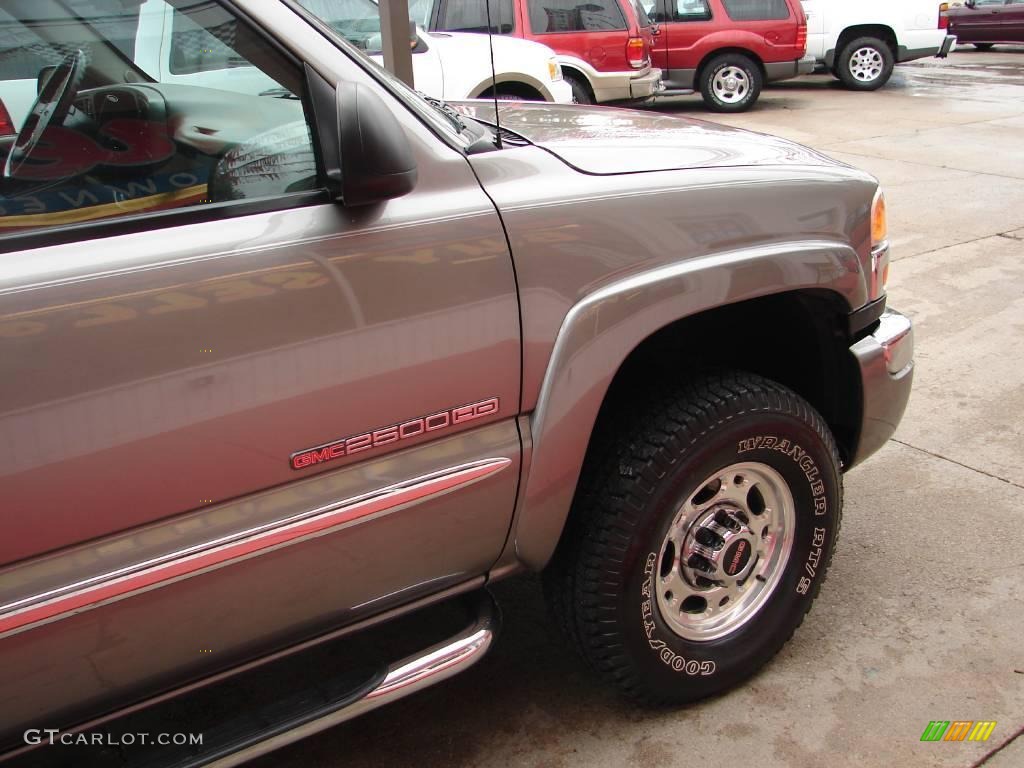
(447, 110)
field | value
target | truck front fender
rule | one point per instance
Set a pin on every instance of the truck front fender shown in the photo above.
(601, 330)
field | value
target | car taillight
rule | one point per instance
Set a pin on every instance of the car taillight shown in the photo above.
(943, 17)
(636, 52)
(801, 37)
(6, 124)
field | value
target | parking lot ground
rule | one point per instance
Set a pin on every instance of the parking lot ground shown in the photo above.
(922, 616)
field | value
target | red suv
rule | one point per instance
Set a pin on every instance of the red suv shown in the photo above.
(728, 49)
(604, 46)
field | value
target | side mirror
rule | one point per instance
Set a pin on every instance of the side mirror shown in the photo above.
(376, 159)
(971, 4)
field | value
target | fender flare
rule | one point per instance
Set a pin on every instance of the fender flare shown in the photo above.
(845, 36)
(512, 77)
(574, 62)
(723, 42)
(732, 40)
(602, 329)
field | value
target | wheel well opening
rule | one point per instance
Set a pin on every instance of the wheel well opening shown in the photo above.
(568, 71)
(520, 90)
(797, 339)
(882, 32)
(741, 51)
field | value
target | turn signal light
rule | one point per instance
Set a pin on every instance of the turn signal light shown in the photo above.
(554, 69)
(636, 52)
(879, 221)
(880, 256)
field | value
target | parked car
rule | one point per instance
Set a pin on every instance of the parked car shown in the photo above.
(456, 65)
(603, 46)
(286, 381)
(861, 42)
(728, 49)
(985, 23)
(176, 50)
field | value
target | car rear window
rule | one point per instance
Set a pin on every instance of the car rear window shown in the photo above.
(471, 16)
(756, 10)
(575, 16)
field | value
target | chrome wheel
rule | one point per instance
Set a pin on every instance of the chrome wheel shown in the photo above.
(866, 64)
(731, 85)
(725, 551)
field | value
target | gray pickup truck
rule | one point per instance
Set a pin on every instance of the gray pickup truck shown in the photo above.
(286, 381)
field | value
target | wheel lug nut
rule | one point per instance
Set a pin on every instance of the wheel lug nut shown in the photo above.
(699, 563)
(729, 520)
(708, 538)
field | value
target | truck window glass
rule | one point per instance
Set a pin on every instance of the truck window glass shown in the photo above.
(692, 10)
(756, 10)
(573, 16)
(91, 145)
(471, 16)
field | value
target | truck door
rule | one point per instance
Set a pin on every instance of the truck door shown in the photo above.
(234, 412)
(981, 23)
(1013, 21)
(687, 22)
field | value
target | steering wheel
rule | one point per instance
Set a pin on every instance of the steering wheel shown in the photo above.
(50, 108)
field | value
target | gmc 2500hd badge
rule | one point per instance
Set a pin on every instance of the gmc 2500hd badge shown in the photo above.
(378, 438)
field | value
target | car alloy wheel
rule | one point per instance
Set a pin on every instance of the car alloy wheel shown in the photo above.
(731, 85)
(730, 82)
(866, 64)
(725, 552)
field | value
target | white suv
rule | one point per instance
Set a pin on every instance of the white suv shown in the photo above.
(169, 46)
(454, 65)
(860, 42)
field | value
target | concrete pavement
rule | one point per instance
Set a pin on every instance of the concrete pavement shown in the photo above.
(922, 616)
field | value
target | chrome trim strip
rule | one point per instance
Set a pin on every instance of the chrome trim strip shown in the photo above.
(84, 595)
(405, 677)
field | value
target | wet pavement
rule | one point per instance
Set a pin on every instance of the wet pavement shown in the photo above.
(923, 613)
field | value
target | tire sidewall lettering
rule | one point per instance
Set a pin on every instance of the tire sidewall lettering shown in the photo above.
(801, 463)
(666, 655)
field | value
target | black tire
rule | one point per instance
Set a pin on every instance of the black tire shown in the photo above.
(984, 46)
(869, 51)
(717, 66)
(640, 466)
(580, 90)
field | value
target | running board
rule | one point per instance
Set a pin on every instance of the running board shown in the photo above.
(674, 92)
(270, 706)
(403, 678)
